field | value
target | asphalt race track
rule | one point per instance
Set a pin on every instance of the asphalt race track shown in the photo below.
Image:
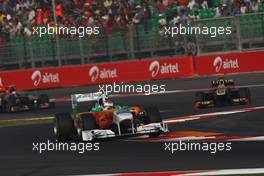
(122, 156)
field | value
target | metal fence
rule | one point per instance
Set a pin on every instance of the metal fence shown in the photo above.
(247, 34)
(137, 43)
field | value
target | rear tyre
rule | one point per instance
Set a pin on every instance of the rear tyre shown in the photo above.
(9, 103)
(63, 127)
(199, 96)
(7, 108)
(25, 101)
(43, 99)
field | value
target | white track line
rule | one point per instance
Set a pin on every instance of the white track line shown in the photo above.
(257, 138)
(200, 138)
(230, 172)
(213, 114)
(191, 173)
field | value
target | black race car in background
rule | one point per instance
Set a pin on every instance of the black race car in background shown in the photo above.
(222, 93)
(12, 101)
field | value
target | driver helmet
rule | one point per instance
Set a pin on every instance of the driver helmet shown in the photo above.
(108, 104)
(221, 82)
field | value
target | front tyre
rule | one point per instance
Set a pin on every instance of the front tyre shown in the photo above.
(43, 98)
(199, 97)
(43, 102)
(87, 122)
(152, 116)
(63, 127)
(245, 93)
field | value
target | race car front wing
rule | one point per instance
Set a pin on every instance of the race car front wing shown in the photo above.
(208, 104)
(152, 128)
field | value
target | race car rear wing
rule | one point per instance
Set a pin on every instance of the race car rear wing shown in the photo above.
(227, 82)
(89, 97)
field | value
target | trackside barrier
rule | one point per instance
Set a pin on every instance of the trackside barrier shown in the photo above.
(229, 63)
(136, 70)
(149, 69)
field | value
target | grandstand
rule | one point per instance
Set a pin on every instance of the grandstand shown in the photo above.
(129, 29)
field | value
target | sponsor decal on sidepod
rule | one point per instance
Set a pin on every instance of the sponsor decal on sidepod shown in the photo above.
(156, 68)
(37, 77)
(96, 73)
(220, 64)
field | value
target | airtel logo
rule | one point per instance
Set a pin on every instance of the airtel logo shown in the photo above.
(96, 73)
(155, 68)
(37, 77)
(219, 63)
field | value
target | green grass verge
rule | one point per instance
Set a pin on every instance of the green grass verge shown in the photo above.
(22, 122)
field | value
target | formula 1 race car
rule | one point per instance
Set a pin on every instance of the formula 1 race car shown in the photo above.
(222, 93)
(105, 120)
(12, 101)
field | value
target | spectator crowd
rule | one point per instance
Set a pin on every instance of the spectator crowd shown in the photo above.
(18, 17)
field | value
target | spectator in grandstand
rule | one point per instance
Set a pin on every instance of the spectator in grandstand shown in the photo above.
(139, 14)
(31, 16)
(17, 17)
(204, 4)
(226, 10)
(2, 16)
(194, 16)
(192, 4)
(254, 6)
(217, 11)
(236, 8)
(243, 8)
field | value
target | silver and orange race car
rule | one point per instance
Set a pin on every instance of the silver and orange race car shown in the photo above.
(222, 93)
(106, 120)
